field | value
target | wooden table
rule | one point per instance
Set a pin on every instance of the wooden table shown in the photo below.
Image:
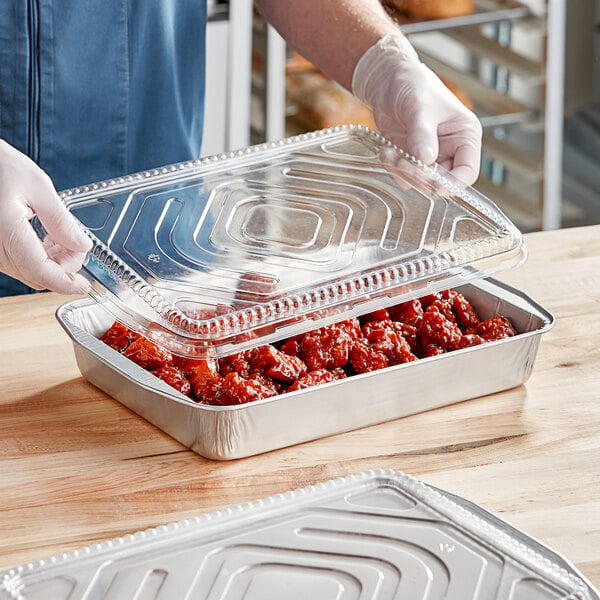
(77, 467)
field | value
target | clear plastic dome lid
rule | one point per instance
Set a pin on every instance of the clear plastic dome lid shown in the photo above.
(253, 246)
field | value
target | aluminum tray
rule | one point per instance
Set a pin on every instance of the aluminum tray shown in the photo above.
(377, 535)
(228, 432)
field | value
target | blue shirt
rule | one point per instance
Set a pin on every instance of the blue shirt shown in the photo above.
(96, 89)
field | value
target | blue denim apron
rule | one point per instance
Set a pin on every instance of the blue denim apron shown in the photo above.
(96, 89)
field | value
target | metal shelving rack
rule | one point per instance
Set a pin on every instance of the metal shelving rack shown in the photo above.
(522, 150)
(228, 75)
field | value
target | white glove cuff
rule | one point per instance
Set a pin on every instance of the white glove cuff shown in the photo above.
(391, 44)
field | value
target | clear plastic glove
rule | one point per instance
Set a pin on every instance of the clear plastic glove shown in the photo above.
(26, 190)
(415, 110)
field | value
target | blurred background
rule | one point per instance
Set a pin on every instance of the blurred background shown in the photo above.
(529, 70)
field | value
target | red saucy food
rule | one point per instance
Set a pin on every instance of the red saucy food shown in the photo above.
(432, 325)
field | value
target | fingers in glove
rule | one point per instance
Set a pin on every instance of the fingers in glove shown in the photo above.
(60, 224)
(460, 146)
(461, 159)
(28, 261)
(421, 133)
(466, 165)
(73, 283)
(69, 261)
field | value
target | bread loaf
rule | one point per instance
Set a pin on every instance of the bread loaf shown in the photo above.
(320, 102)
(432, 9)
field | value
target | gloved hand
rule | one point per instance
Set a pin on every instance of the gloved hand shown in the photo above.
(26, 190)
(415, 110)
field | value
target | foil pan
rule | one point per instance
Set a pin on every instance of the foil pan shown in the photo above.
(228, 432)
(377, 535)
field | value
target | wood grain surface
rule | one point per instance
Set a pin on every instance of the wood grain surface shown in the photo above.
(77, 467)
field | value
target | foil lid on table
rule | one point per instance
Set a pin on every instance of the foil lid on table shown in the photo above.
(376, 535)
(261, 244)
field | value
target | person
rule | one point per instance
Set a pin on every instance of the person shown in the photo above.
(96, 90)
